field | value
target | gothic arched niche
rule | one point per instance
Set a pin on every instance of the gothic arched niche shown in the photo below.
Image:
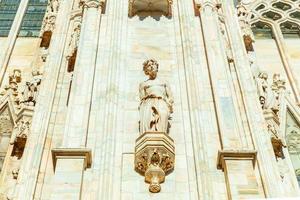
(293, 141)
(6, 127)
(262, 30)
(150, 8)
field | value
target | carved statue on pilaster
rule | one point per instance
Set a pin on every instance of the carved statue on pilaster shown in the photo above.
(14, 80)
(53, 6)
(29, 94)
(12, 182)
(19, 137)
(156, 101)
(48, 23)
(155, 151)
(73, 44)
(270, 94)
(243, 15)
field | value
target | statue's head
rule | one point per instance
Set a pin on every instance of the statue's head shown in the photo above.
(263, 75)
(150, 68)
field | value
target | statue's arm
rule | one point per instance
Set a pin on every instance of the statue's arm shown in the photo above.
(142, 91)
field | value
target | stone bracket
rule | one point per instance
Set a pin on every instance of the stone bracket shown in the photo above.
(72, 153)
(235, 155)
(154, 158)
(136, 6)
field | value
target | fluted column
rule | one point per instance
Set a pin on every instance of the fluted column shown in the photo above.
(12, 37)
(237, 158)
(73, 158)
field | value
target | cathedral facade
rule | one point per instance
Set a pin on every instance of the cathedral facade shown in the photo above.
(149, 99)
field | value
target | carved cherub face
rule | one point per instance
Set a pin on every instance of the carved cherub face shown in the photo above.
(150, 68)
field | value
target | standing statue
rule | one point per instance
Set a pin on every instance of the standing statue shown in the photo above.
(156, 101)
(155, 149)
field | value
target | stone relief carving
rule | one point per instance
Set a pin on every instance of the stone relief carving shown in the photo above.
(53, 6)
(155, 151)
(29, 94)
(270, 94)
(74, 39)
(12, 184)
(243, 16)
(156, 101)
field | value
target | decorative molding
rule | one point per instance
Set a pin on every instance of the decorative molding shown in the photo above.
(72, 153)
(93, 4)
(235, 155)
(200, 6)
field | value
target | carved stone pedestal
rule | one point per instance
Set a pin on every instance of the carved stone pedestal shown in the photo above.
(154, 158)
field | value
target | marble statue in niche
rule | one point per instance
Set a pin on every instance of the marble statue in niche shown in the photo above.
(156, 101)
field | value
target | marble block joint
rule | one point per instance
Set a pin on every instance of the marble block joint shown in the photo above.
(154, 158)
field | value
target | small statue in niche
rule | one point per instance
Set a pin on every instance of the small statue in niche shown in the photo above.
(156, 101)
(19, 138)
(270, 94)
(29, 94)
(53, 6)
(262, 86)
(73, 44)
(12, 182)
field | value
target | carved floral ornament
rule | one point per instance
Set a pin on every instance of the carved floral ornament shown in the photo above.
(161, 6)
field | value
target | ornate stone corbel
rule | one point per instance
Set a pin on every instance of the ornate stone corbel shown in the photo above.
(136, 6)
(154, 158)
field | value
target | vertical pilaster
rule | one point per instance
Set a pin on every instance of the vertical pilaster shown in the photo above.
(69, 167)
(266, 163)
(83, 79)
(233, 137)
(33, 152)
(282, 49)
(12, 37)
